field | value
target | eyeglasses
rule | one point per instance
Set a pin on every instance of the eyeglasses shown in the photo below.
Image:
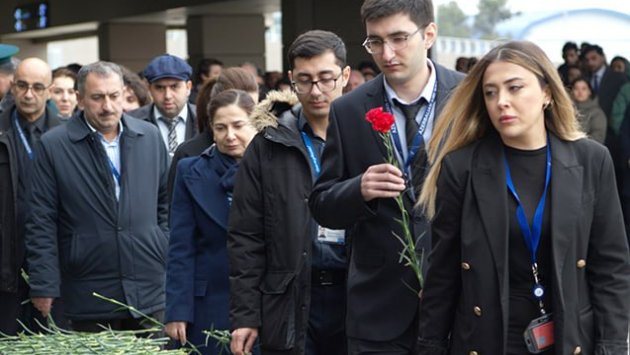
(22, 87)
(324, 85)
(395, 43)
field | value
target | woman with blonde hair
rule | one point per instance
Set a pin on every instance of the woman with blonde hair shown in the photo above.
(529, 248)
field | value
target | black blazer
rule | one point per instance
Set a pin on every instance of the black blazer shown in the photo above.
(146, 113)
(466, 294)
(190, 148)
(380, 304)
(609, 87)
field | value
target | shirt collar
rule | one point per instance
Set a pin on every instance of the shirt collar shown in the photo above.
(426, 92)
(100, 135)
(305, 127)
(39, 123)
(600, 72)
(183, 114)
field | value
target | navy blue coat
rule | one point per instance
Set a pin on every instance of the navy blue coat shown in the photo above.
(197, 285)
(80, 239)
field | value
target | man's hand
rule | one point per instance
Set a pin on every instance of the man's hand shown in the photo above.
(43, 304)
(382, 181)
(176, 331)
(243, 340)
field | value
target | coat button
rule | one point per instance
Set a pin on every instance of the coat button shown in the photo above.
(581, 263)
(466, 266)
(477, 311)
(578, 350)
(473, 353)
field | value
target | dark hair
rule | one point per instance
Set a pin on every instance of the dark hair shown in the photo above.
(368, 64)
(591, 48)
(316, 42)
(204, 67)
(230, 97)
(137, 85)
(65, 73)
(569, 46)
(230, 78)
(419, 11)
(586, 81)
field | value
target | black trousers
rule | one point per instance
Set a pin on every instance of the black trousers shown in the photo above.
(405, 344)
(128, 323)
(326, 333)
(16, 306)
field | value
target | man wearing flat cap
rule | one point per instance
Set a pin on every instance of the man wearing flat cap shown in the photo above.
(170, 86)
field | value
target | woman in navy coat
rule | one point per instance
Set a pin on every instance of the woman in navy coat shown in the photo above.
(197, 286)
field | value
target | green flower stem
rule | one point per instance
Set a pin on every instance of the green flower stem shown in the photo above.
(408, 255)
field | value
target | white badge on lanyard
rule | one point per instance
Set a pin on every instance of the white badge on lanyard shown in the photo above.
(331, 236)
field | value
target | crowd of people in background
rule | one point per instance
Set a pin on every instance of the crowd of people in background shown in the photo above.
(226, 197)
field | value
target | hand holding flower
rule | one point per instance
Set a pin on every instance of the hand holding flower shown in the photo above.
(387, 181)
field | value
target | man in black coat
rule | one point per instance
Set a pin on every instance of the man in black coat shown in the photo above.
(21, 126)
(99, 210)
(287, 274)
(170, 86)
(355, 188)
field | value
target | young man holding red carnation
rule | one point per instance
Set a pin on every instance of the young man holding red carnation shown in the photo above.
(287, 274)
(356, 187)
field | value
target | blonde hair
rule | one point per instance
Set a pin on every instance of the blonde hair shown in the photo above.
(465, 118)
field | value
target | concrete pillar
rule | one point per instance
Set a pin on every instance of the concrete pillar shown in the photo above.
(340, 17)
(131, 44)
(230, 38)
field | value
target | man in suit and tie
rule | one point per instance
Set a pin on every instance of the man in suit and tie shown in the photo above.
(355, 188)
(170, 86)
(604, 81)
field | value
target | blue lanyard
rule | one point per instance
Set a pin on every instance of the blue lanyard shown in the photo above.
(532, 234)
(418, 139)
(311, 153)
(27, 146)
(115, 171)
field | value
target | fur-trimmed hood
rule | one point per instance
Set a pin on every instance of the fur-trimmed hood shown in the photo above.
(267, 111)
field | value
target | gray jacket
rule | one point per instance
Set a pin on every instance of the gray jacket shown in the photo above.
(80, 239)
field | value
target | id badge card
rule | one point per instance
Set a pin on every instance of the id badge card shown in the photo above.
(331, 236)
(539, 334)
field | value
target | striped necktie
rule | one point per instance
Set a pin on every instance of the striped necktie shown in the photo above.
(172, 133)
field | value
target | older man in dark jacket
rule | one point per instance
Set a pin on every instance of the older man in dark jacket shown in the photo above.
(99, 211)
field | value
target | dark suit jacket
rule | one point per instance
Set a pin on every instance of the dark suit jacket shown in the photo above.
(197, 285)
(609, 86)
(190, 148)
(468, 265)
(380, 304)
(146, 113)
(80, 239)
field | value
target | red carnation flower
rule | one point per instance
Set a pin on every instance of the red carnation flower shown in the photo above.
(381, 121)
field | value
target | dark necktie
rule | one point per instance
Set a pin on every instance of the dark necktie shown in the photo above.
(411, 129)
(595, 84)
(172, 133)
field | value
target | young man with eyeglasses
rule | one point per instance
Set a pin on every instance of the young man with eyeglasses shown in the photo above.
(356, 187)
(21, 126)
(287, 274)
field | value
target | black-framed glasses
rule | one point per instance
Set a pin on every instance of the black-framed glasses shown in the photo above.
(22, 87)
(395, 43)
(324, 85)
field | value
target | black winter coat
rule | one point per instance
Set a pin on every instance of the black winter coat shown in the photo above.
(11, 243)
(269, 242)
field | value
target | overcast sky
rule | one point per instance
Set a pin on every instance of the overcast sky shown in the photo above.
(470, 6)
